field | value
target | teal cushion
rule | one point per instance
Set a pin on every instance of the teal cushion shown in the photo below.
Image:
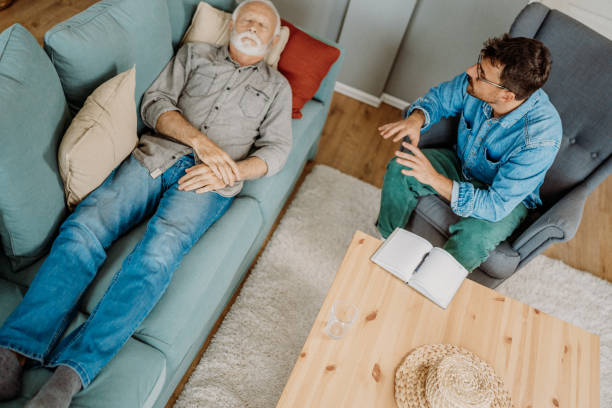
(107, 39)
(33, 117)
(10, 297)
(181, 12)
(271, 192)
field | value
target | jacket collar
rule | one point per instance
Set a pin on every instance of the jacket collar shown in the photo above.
(510, 118)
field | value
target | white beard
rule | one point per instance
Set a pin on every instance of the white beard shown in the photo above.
(257, 50)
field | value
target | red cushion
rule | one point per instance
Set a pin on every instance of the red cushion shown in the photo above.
(304, 62)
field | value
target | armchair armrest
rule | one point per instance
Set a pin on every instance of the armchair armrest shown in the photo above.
(561, 221)
(441, 134)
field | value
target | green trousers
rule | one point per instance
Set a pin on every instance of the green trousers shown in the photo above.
(471, 239)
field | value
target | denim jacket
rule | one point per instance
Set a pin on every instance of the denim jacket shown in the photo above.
(510, 154)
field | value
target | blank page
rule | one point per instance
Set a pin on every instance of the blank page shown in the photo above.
(439, 277)
(401, 253)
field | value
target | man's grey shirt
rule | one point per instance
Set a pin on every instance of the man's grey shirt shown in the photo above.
(245, 110)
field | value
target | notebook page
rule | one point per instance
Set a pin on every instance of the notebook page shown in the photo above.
(439, 277)
(401, 253)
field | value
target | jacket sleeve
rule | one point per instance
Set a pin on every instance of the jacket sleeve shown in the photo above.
(442, 101)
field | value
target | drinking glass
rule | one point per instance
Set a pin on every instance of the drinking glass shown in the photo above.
(341, 317)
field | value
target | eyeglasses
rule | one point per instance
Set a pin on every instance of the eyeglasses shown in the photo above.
(478, 73)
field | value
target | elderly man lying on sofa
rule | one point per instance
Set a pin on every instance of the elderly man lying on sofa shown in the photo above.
(221, 116)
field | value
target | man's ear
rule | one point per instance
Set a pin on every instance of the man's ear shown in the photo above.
(275, 40)
(231, 26)
(508, 96)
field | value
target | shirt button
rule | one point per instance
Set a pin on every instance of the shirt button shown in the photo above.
(216, 108)
(228, 88)
(205, 126)
(572, 140)
(257, 93)
(594, 155)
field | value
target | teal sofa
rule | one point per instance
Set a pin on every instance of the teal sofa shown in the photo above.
(40, 91)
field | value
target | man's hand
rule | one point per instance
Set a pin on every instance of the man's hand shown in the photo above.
(175, 126)
(421, 169)
(411, 127)
(200, 178)
(219, 162)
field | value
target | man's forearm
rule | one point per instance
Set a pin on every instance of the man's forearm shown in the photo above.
(443, 185)
(252, 168)
(174, 125)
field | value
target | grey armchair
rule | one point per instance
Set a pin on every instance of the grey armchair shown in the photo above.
(580, 87)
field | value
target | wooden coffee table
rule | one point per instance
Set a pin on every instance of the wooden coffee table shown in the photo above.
(544, 361)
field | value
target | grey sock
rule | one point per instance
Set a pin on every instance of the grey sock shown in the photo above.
(10, 374)
(58, 391)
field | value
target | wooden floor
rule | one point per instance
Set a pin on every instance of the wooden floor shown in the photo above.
(350, 143)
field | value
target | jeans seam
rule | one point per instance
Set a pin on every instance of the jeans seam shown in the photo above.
(80, 370)
(11, 346)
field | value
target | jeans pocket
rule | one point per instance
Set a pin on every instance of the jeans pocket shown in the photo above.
(253, 101)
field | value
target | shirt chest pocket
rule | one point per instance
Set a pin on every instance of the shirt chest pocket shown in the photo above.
(253, 101)
(199, 84)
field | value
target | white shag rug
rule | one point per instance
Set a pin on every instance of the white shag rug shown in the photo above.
(252, 354)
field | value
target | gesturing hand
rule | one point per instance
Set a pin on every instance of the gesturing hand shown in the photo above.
(411, 127)
(217, 160)
(201, 179)
(419, 165)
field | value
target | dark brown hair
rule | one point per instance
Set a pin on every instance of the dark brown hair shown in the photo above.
(526, 63)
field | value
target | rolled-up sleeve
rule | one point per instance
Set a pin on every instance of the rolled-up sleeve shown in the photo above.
(162, 96)
(442, 101)
(274, 143)
(522, 174)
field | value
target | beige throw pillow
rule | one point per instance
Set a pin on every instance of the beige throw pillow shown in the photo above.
(212, 26)
(100, 136)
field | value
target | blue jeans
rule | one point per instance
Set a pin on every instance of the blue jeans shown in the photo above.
(128, 196)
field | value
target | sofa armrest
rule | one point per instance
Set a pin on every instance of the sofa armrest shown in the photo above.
(562, 220)
(441, 134)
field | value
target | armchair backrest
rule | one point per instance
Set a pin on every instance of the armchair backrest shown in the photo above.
(580, 87)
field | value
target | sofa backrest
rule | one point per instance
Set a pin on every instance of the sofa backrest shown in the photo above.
(106, 39)
(33, 117)
(580, 88)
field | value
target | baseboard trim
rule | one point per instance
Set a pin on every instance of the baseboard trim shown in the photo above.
(369, 98)
(394, 101)
(357, 94)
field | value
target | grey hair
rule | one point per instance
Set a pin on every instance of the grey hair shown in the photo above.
(267, 2)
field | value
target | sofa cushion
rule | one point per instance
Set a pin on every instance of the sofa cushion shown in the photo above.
(106, 39)
(271, 192)
(181, 12)
(99, 138)
(33, 116)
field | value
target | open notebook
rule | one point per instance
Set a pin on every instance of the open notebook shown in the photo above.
(428, 269)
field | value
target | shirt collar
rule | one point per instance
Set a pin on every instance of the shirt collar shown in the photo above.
(224, 54)
(510, 119)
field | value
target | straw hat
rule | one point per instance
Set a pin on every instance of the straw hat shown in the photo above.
(447, 376)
